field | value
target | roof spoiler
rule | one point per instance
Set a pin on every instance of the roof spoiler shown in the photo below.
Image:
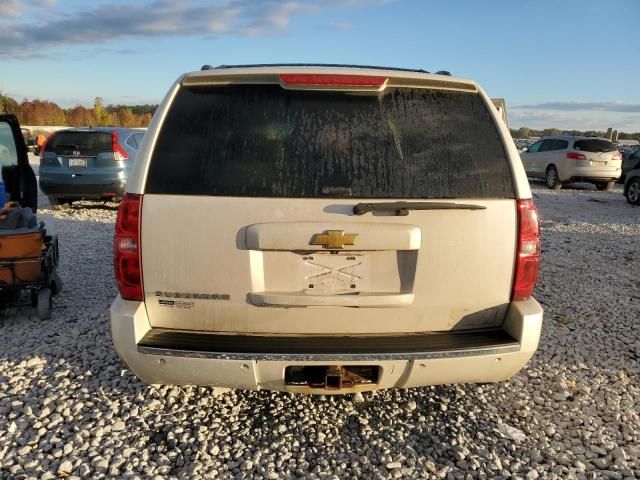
(325, 65)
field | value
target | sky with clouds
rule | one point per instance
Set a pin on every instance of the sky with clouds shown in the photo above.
(559, 63)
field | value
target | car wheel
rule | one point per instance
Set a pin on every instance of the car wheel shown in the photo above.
(59, 203)
(605, 186)
(633, 191)
(553, 179)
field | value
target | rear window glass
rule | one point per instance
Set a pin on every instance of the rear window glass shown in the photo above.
(82, 143)
(263, 140)
(594, 145)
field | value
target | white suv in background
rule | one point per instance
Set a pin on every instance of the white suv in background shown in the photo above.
(326, 229)
(563, 159)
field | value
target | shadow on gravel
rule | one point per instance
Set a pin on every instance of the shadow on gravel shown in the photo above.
(75, 207)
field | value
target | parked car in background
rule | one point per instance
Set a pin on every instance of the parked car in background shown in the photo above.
(360, 258)
(564, 159)
(29, 141)
(630, 161)
(87, 163)
(632, 187)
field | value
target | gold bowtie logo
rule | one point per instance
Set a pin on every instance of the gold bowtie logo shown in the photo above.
(334, 239)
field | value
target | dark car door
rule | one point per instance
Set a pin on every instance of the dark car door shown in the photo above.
(19, 179)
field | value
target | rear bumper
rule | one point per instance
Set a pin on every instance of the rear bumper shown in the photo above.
(593, 174)
(445, 363)
(84, 190)
(86, 184)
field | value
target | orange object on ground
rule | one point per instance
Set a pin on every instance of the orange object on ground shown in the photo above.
(24, 250)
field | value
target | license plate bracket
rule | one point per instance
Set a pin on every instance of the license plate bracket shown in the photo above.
(326, 274)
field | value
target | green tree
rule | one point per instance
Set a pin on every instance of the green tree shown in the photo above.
(550, 131)
(101, 115)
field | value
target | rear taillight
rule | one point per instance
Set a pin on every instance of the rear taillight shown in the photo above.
(323, 79)
(576, 156)
(617, 156)
(119, 153)
(44, 145)
(528, 253)
(127, 248)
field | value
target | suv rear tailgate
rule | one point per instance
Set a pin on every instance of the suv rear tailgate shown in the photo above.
(201, 272)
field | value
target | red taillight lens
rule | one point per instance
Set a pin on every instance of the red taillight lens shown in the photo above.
(119, 153)
(617, 156)
(528, 253)
(126, 248)
(44, 145)
(576, 156)
(331, 79)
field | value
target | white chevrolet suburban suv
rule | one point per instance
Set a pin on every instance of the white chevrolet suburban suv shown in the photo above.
(326, 229)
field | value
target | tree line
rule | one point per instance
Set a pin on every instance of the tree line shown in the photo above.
(43, 112)
(525, 132)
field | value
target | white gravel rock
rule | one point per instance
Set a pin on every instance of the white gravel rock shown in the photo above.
(67, 406)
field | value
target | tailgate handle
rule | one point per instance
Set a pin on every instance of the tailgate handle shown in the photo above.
(299, 299)
(402, 208)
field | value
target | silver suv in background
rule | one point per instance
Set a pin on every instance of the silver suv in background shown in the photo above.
(326, 229)
(564, 159)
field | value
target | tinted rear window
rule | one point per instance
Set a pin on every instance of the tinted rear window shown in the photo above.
(594, 145)
(86, 143)
(263, 140)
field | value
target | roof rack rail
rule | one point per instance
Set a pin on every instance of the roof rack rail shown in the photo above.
(326, 65)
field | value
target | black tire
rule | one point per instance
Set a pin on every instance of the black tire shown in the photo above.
(552, 178)
(34, 298)
(59, 203)
(44, 304)
(56, 285)
(632, 192)
(605, 186)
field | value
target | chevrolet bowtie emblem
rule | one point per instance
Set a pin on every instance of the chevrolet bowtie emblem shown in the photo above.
(334, 239)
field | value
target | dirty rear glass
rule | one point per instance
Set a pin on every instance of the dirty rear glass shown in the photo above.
(263, 140)
(85, 143)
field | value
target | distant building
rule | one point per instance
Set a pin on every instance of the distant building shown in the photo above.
(628, 143)
(609, 133)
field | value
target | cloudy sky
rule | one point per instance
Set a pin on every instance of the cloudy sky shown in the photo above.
(558, 63)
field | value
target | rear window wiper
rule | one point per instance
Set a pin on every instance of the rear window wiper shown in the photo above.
(402, 208)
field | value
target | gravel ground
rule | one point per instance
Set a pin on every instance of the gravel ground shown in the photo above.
(69, 410)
